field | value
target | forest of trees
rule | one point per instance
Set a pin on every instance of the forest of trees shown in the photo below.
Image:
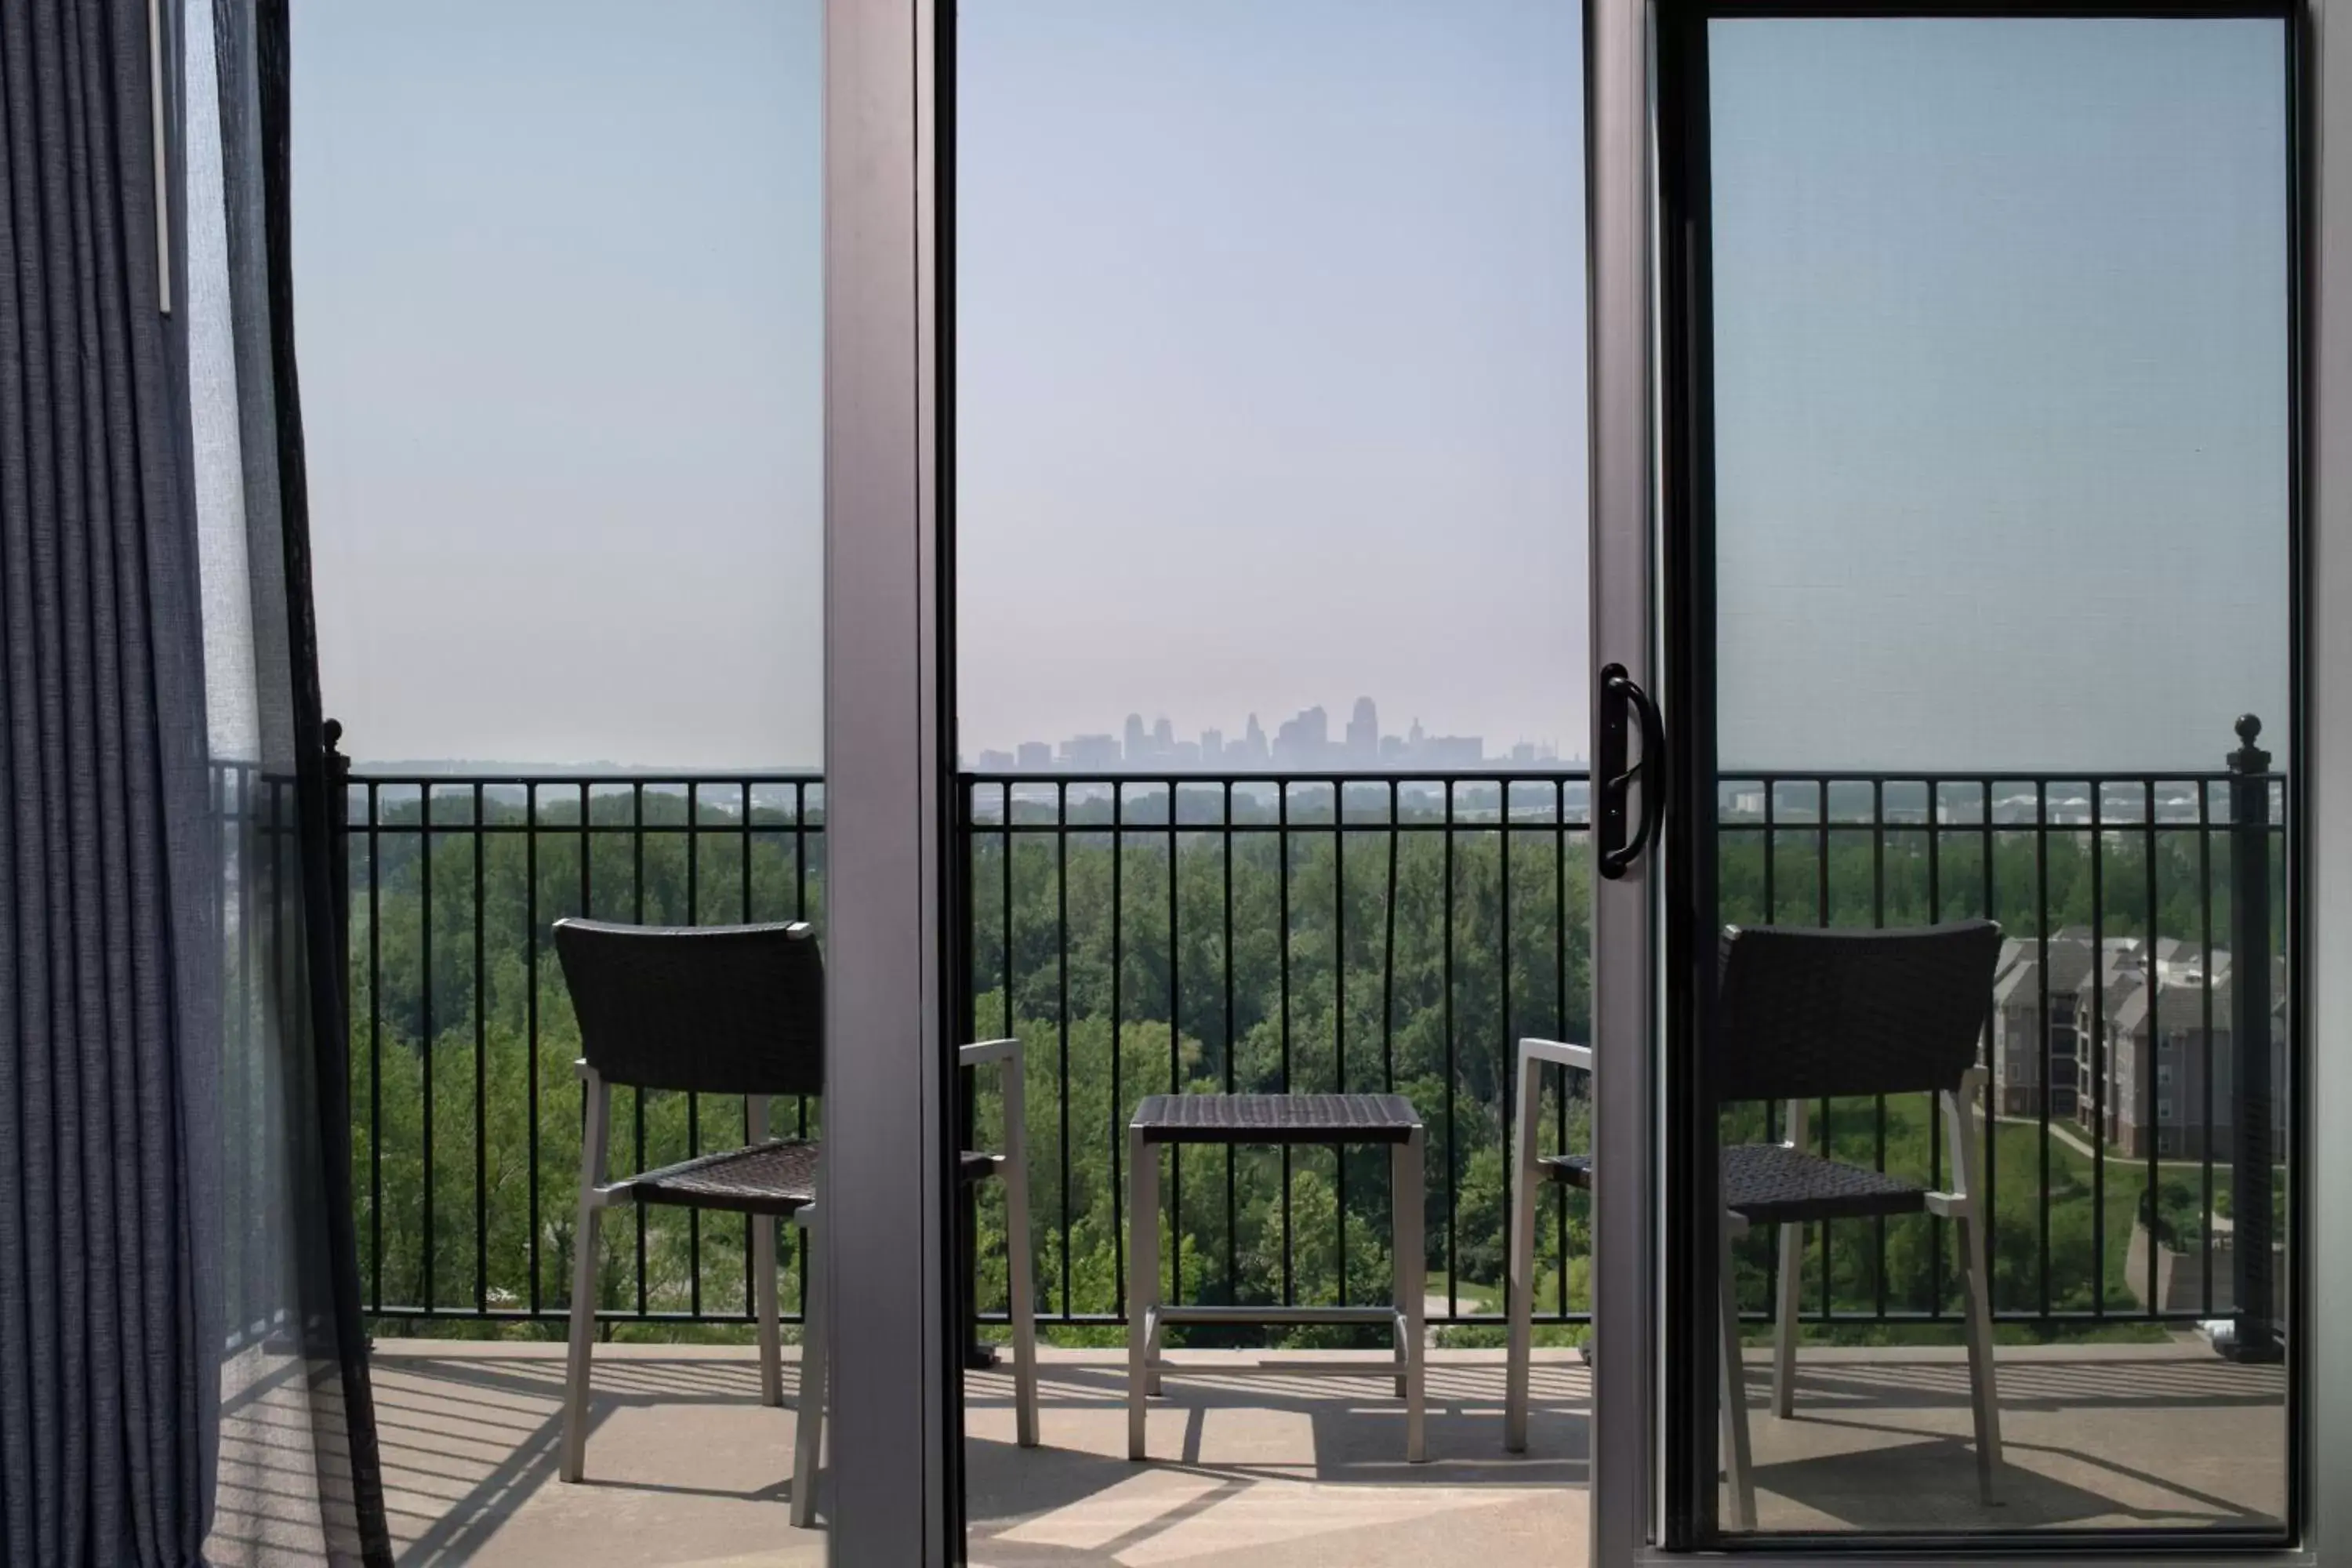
(1360, 956)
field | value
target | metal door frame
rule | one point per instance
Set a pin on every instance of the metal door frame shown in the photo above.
(1655, 1410)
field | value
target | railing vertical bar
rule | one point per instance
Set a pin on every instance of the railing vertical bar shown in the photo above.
(2098, 1054)
(1503, 1046)
(375, 1048)
(530, 1014)
(1559, 1013)
(587, 911)
(1233, 1194)
(425, 1033)
(1388, 952)
(2205, 985)
(694, 1101)
(1936, 917)
(743, 1107)
(1772, 916)
(1062, 1013)
(638, 1096)
(1175, 1081)
(1452, 1070)
(800, 912)
(2152, 977)
(1822, 1126)
(1878, 922)
(263, 1147)
(2049, 1056)
(1282, 847)
(1118, 1112)
(1339, 1007)
(481, 1070)
(1992, 1161)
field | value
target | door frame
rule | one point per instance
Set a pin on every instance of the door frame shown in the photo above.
(892, 1488)
(1648, 430)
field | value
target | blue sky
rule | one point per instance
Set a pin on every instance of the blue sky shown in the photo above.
(1271, 376)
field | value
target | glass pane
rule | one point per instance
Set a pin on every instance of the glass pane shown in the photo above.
(1271, 617)
(560, 305)
(2002, 397)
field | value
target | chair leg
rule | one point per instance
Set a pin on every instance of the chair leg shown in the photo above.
(1739, 1462)
(763, 1292)
(1142, 1280)
(1022, 1290)
(1787, 1285)
(1959, 1109)
(808, 1436)
(763, 1275)
(1983, 1393)
(1410, 1200)
(1521, 1282)
(584, 1280)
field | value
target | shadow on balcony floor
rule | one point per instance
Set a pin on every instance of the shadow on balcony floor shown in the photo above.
(686, 1468)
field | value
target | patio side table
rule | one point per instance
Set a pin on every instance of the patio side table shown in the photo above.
(1275, 1119)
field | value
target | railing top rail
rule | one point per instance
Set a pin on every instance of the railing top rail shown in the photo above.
(362, 773)
(1206, 776)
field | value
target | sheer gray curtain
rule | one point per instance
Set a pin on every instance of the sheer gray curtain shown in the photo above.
(182, 1375)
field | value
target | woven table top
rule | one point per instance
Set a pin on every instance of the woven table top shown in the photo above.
(1275, 1119)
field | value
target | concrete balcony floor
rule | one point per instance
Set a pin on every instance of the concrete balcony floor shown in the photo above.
(1249, 1469)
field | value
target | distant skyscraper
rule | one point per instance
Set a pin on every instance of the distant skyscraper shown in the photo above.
(1091, 753)
(1136, 745)
(1304, 741)
(1212, 746)
(1364, 733)
(1253, 740)
(1036, 756)
(995, 762)
(1413, 739)
(1164, 737)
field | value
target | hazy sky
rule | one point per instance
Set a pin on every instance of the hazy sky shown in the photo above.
(559, 294)
(2000, 317)
(1271, 364)
(1271, 376)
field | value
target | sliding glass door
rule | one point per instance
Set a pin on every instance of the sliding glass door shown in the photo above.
(1968, 1140)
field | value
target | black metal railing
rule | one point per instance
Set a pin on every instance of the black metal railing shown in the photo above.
(1390, 931)
(259, 911)
(465, 1111)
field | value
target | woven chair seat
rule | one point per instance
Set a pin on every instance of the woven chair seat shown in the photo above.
(773, 1178)
(1275, 1119)
(1771, 1184)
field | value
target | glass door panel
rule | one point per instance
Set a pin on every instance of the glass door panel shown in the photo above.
(1984, 552)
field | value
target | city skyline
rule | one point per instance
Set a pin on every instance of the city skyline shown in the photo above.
(1304, 741)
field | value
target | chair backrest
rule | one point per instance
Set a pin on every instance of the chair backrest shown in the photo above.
(1805, 1014)
(717, 1009)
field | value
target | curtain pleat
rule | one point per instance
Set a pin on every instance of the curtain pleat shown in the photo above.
(183, 1367)
(106, 1353)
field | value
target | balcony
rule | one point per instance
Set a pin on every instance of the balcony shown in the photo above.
(687, 1468)
(1144, 934)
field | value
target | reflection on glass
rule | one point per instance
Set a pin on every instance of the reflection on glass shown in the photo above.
(2001, 411)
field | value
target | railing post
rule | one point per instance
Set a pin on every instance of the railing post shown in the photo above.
(2256, 1337)
(339, 866)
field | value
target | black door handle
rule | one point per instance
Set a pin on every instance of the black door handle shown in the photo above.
(1614, 776)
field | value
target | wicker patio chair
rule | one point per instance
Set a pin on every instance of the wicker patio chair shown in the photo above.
(1806, 1016)
(740, 1010)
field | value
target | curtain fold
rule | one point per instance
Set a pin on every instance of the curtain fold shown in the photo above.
(182, 1375)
